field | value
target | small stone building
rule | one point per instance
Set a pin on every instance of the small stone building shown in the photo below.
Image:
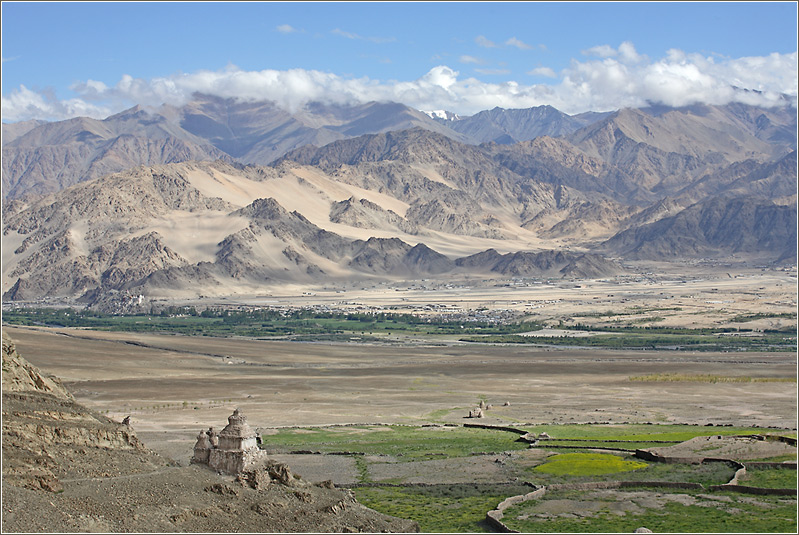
(234, 450)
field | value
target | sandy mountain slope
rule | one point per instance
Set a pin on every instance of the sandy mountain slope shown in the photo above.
(362, 213)
(420, 167)
(68, 469)
(218, 229)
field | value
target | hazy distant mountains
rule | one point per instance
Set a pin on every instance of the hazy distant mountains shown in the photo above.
(381, 191)
(41, 158)
(511, 126)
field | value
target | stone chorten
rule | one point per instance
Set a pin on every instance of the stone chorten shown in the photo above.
(234, 450)
(202, 449)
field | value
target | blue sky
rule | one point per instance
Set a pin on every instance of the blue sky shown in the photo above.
(62, 59)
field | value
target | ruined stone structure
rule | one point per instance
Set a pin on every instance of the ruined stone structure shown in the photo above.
(476, 413)
(233, 451)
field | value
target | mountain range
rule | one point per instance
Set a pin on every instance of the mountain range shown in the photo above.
(221, 197)
(42, 158)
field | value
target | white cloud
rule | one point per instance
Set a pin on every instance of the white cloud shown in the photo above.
(493, 71)
(628, 54)
(601, 51)
(622, 78)
(518, 44)
(543, 71)
(472, 59)
(286, 28)
(484, 42)
(23, 104)
(350, 35)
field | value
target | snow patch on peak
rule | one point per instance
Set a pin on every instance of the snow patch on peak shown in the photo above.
(442, 114)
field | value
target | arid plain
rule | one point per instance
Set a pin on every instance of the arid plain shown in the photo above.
(175, 386)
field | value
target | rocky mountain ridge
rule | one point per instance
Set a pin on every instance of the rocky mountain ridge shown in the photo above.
(41, 157)
(508, 126)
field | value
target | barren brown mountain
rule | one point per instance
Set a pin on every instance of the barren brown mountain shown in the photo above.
(654, 184)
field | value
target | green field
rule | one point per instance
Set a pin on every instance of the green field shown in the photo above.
(774, 478)
(587, 464)
(456, 508)
(631, 339)
(603, 469)
(262, 323)
(671, 512)
(416, 442)
(313, 325)
(640, 432)
(405, 442)
(440, 509)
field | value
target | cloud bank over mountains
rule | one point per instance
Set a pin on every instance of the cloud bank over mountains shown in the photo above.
(607, 79)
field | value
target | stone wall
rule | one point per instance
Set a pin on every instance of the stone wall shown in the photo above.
(653, 457)
(495, 516)
(497, 428)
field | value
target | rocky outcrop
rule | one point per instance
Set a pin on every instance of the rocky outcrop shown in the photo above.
(47, 436)
(394, 256)
(463, 219)
(361, 213)
(751, 226)
(541, 264)
(21, 376)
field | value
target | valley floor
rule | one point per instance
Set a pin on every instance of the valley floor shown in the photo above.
(175, 386)
(682, 294)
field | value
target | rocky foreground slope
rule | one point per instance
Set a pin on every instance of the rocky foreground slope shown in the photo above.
(68, 469)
